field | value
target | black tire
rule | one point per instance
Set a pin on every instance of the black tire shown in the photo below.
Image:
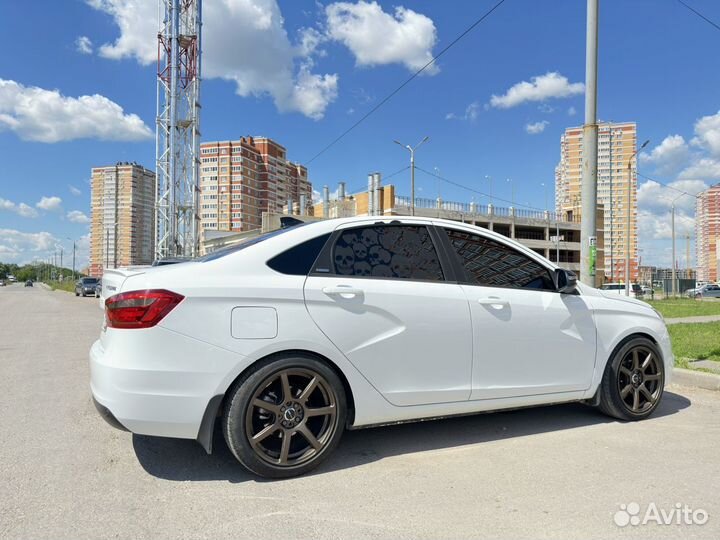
(77, 294)
(627, 392)
(244, 420)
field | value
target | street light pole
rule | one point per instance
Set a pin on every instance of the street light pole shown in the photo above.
(512, 192)
(489, 178)
(627, 232)
(412, 170)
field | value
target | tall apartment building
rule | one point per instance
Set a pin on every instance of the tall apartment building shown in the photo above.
(707, 234)
(616, 144)
(122, 230)
(239, 180)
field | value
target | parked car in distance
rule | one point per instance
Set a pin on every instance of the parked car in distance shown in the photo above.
(296, 335)
(636, 290)
(709, 290)
(2, 282)
(86, 286)
(29, 283)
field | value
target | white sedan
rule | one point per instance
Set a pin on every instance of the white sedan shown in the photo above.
(292, 337)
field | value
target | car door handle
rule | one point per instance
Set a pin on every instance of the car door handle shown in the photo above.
(345, 292)
(493, 301)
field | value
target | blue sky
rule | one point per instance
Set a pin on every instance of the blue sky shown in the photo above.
(302, 72)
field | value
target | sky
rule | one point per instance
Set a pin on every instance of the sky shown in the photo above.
(78, 90)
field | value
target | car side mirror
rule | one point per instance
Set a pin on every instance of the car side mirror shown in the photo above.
(565, 281)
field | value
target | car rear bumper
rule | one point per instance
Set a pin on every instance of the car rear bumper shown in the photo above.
(157, 382)
(108, 416)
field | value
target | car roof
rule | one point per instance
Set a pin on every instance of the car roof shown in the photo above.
(311, 229)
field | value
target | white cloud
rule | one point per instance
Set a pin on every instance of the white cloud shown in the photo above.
(667, 157)
(708, 168)
(545, 108)
(21, 209)
(707, 134)
(244, 41)
(550, 85)
(471, 113)
(537, 127)
(21, 247)
(655, 197)
(49, 203)
(377, 38)
(75, 191)
(309, 41)
(658, 226)
(572, 111)
(83, 45)
(138, 23)
(76, 216)
(47, 116)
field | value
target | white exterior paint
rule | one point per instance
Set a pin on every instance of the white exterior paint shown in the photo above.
(408, 349)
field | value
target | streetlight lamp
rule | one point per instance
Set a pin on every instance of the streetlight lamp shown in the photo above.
(412, 149)
(627, 232)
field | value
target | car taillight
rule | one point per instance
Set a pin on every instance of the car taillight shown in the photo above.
(140, 309)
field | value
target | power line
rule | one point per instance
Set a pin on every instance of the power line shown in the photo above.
(696, 12)
(665, 184)
(457, 184)
(405, 168)
(407, 81)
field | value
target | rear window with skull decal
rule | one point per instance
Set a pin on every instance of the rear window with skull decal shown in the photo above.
(392, 251)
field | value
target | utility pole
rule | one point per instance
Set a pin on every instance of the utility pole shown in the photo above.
(629, 213)
(687, 255)
(489, 179)
(412, 170)
(588, 221)
(673, 274)
(612, 262)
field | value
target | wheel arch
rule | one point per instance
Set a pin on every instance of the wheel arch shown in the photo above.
(216, 405)
(631, 334)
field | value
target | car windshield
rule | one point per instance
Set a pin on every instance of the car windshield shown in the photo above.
(89, 281)
(245, 244)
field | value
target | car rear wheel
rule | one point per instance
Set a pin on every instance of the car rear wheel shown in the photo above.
(633, 382)
(285, 417)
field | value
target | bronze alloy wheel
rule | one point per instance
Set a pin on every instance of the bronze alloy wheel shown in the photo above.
(639, 379)
(291, 417)
(633, 381)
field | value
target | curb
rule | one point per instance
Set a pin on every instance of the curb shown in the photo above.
(697, 379)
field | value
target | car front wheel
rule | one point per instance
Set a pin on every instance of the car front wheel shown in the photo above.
(285, 417)
(633, 382)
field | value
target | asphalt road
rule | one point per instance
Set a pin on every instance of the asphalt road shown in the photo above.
(551, 472)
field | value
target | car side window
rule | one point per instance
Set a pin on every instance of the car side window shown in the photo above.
(493, 264)
(298, 260)
(386, 251)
